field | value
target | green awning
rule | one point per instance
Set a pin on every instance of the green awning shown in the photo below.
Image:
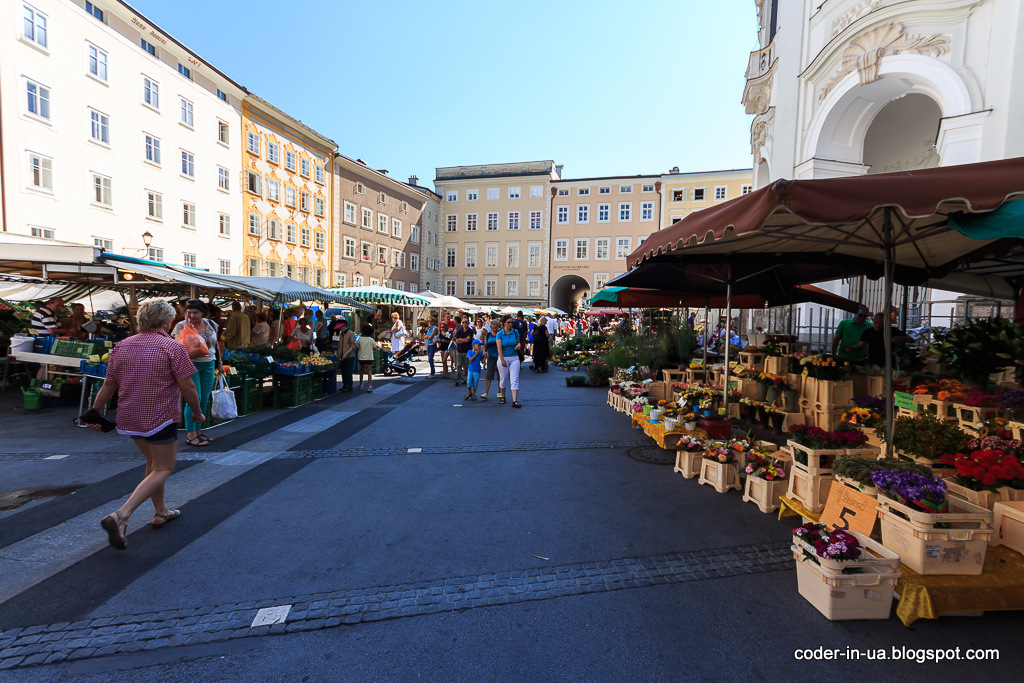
(377, 294)
(1006, 221)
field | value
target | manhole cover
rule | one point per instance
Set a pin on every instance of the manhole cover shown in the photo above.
(652, 455)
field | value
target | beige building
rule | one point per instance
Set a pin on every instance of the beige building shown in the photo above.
(596, 223)
(685, 193)
(379, 229)
(495, 232)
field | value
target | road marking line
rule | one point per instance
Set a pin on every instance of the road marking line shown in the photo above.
(414, 450)
(271, 615)
(456, 405)
(56, 457)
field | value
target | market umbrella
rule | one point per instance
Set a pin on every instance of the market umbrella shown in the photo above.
(899, 221)
(636, 297)
(377, 294)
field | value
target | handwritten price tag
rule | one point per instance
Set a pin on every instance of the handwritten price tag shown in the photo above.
(849, 510)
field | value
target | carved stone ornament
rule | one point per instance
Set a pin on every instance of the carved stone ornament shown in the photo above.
(853, 14)
(865, 53)
(759, 133)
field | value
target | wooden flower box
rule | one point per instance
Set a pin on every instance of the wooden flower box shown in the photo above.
(826, 418)
(723, 476)
(938, 467)
(752, 360)
(1007, 494)
(856, 485)
(842, 597)
(688, 463)
(764, 493)
(1016, 429)
(1008, 522)
(942, 410)
(985, 499)
(968, 416)
(865, 451)
(950, 543)
(810, 490)
(835, 394)
(776, 365)
(819, 460)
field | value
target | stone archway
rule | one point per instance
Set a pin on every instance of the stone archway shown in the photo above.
(902, 136)
(568, 290)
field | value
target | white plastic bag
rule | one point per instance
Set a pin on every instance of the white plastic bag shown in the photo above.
(222, 401)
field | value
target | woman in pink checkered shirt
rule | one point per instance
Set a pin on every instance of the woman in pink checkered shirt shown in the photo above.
(151, 373)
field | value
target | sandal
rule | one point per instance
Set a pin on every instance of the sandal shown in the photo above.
(501, 401)
(115, 528)
(517, 404)
(196, 441)
(204, 438)
(466, 397)
(162, 518)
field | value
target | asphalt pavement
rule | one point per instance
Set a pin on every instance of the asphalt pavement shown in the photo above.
(409, 534)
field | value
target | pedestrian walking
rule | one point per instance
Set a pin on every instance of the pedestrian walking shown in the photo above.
(239, 332)
(444, 341)
(151, 373)
(463, 343)
(205, 364)
(509, 343)
(541, 346)
(520, 326)
(346, 353)
(491, 350)
(473, 359)
(364, 350)
(398, 333)
(431, 336)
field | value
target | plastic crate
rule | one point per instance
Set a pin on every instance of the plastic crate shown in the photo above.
(292, 390)
(840, 597)
(43, 344)
(316, 387)
(953, 542)
(72, 348)
(330, 383)
(249, 396)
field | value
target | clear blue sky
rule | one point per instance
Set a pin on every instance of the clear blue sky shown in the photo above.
(603, 87)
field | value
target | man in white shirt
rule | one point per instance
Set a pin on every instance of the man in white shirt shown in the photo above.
(552, 326)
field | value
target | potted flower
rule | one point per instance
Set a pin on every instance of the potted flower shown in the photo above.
(1011, 402)
(766, 480)
(689, 454)
(814, 449)
(689, 421)
(719, 466)
(833, 548)
(980, 474)
(658, 409)
(976, 350)
(925, 439)
(576, 381)
(855, 471)
(671, 417)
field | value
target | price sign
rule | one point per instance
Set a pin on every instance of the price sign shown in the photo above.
(904, 400)
(849, 510)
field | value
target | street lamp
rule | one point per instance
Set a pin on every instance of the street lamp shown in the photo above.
(147, 238)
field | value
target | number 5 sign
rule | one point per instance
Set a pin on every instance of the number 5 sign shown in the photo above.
(849, 510)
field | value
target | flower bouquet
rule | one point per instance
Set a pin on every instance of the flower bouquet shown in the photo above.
(835, 546)
(689, 421)
(763, 465)
(981, 475)
(926, 437)
(766, 479)
(821, 366)
(719, 452)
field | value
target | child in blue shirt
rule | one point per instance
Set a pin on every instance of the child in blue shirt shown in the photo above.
(473, 374)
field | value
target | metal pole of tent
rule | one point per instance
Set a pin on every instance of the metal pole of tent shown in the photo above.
(704, 369)
(903, 309)
(887, 245)
(789, 322)
(725, 375)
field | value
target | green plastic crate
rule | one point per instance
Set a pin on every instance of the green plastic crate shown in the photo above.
(249, 396)
(293, 390)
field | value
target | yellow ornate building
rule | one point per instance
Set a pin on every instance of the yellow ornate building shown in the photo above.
(287, 205)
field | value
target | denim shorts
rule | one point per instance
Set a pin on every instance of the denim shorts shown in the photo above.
(472, 379)
(168, 434)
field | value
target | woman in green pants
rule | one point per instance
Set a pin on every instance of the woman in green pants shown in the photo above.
(195, 314)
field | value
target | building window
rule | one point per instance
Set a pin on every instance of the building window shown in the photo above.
(582, 248)
(40, 172)
(319, 207)
(746, 189)
(674, 219)
(188, 260)
(94, 10)
(188, 215)
(97, 63)
(698, 194)
(625, 211)
(582, 191)
(599, 280)
(154, 205)
(622, 247)
(449, 286)
(320, 277)
(471, 195)
(368, 219)
(103, 243)
(102, 195)
(470, 286)
(604, 213)
(451, 196)
(360, 188)
(38, 99)
(396, 228)
(305, 236)
(224, 226)
(254, 267)
(273, 269)
(414, 262)
(490, 287)
(647, 188)
(471, 256)
(470, 222)
(563, 192)
(225, 266)
(349, 247)
(535, 218)
(99, 127)
(290, 196)
(152, 149)
(492, 193)
(273, 151)
(291, 233)
(513, 220)
(304, 201)
(319, 174)
(273, 229)
(304, 165)
(188, 164)
(450, 256)
(255, 183)
(155, 254)
(273, 190)
(382, 254)
(223, 133)
(491, 255)
(34, 28)
(604, 190)
(536, 191)
(625, 189)
(382, 223)
(562, 215)
(583, 213)
(512, 254)
(186, 113)
(223, 179)
(679, 195)
(252, 142)
(602, 247)
(150, 92)
(289, 271)
(452, 223)
(492, 221)
(395, 258)
(647, 211)
(561, 250)
(534, 255)
(512, 287)
(185, 71)
(366, 251)
(720, 192)
(357, 280)
(319, 240)
(221, 95)
(350, 213)
(289, 160)
(514, 192)
(255, 224)
(43, 233)
(533, 288)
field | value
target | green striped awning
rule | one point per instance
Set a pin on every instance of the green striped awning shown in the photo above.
(376, 294)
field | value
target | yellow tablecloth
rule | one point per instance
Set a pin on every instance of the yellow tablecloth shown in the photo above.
(999, 587)
(790, 507)
(657, 431)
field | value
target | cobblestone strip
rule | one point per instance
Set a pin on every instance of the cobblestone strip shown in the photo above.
(369, 451)
(53, 643)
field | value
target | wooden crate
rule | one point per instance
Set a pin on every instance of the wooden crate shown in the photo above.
(722, 476)
(835, 394)
(776, 365)
(968, 416)
(688, 463)
(754, 361)
(943, 410)
(810, 490)
(815, 457)
(827, 419)
(764, 493)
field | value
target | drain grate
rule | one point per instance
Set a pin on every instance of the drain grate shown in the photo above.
(652, 455)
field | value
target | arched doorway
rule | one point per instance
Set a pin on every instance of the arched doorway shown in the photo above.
(567, 292)
(902, 136)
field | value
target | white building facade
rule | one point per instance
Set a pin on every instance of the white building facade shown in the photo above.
(112, 130)
(853, 87)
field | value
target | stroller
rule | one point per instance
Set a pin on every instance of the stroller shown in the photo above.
(399, 363)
